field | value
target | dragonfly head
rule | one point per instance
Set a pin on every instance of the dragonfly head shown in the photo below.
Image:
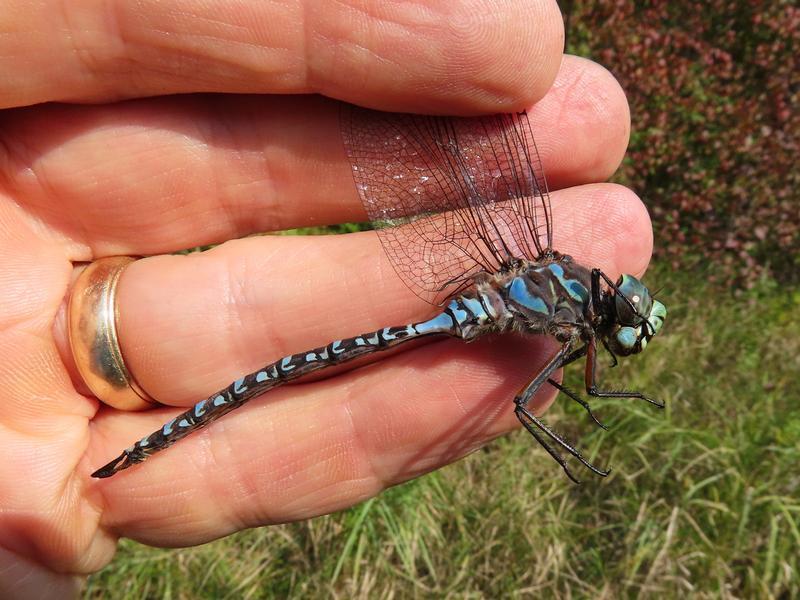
(637, 317)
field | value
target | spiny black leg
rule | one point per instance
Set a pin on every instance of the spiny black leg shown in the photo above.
(591, 383)
(556, 456)
(531, 419)
(597, 300)
(579, 400)
(556, 362)
(528, 420)
(614, 360)
(624, 394)
(572, 357)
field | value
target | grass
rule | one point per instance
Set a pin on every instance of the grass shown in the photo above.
(703, 498)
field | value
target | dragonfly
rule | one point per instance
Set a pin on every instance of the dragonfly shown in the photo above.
(462, 208)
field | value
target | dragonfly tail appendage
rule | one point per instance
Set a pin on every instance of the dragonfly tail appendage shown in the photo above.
(271, 376)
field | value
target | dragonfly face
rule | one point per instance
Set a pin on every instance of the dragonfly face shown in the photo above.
(639, 317)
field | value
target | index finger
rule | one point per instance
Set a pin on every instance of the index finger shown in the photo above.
(457, 56)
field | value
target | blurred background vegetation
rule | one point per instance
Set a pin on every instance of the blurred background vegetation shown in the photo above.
(713, 89)
(704, 497)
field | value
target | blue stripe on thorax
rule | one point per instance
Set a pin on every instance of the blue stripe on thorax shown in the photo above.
(575, 288)
(519, 293)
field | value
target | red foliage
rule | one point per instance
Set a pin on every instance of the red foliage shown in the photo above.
(713, 88)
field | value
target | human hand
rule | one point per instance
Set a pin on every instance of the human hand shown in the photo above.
(153, 175)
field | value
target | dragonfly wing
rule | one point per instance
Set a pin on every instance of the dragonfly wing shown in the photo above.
(450, 197)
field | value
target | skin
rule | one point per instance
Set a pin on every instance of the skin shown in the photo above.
(87, 176)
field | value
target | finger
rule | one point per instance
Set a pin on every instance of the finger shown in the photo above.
(463, 56)
(161, 175)
(400, 415)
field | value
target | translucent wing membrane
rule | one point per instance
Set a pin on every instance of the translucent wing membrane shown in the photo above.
(450, 197)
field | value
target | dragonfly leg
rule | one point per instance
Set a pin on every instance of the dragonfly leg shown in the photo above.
(591, 382)
(580, 352)
(574, 396)
(544, 444)
(614, 361)
(536, 427)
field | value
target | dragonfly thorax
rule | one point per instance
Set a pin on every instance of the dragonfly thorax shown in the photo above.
(548, 296)
(633, 315)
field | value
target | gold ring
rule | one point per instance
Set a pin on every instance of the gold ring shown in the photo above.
(93, 314)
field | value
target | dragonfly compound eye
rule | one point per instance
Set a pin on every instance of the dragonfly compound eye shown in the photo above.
(640, 302)
(638, 321)
(625, 341)
(656, 317)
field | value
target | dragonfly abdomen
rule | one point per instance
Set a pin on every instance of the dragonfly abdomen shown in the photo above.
(460, 319)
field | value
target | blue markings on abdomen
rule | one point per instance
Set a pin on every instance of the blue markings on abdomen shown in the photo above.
(200, 408)
(458, 312)
(519, 293)
(440, 323)
(167, 429)
(476, 308)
